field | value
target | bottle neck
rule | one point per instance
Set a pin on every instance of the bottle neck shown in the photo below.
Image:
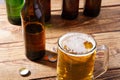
(33, 4)
(33, 11)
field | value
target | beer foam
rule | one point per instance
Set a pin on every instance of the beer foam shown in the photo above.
(74, 43)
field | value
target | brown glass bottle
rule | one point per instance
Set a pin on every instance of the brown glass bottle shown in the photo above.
(47, 9)
(70, 9)
(33, 29)
(92, 8)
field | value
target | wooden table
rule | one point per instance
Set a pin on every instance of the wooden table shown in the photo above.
(105, 28)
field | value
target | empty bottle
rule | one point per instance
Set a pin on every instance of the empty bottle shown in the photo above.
(33, 29)
(13, 11)
(70, 9)
(92, 8)
(47, 9)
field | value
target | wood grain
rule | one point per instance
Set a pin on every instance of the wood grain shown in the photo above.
(57, 4)
(105, 29)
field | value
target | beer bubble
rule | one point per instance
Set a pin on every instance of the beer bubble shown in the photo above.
(88, 45)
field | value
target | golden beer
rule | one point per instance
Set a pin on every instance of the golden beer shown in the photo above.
(76, 57)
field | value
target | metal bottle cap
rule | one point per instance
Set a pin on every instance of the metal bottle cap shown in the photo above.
(24, 72)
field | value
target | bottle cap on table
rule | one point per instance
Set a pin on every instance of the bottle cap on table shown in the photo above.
(24, 72)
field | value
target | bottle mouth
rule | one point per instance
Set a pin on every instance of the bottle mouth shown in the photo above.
(75, 44)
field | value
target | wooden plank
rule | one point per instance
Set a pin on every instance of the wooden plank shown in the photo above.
(13, 57)
(111, 39)
(113, 74)
(57, 4)
(105, 29)
(107, 76)
(108, 20)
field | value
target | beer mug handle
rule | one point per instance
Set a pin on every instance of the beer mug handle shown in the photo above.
(101, 62)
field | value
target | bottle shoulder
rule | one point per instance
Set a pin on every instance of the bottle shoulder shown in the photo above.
(32, 14)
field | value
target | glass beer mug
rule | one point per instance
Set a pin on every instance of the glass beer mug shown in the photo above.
(79, 58)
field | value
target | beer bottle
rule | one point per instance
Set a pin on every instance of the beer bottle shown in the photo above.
(47, 9)
(92, 8)
(33, 29)
(70, 9)
(13, 11)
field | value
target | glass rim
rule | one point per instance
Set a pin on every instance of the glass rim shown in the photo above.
(73, 33)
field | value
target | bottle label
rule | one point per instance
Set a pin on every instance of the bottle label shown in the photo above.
(34, 37)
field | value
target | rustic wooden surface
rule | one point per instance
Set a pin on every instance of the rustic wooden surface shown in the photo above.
(105, 28)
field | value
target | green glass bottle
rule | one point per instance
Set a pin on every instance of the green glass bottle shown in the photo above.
(13, 11)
